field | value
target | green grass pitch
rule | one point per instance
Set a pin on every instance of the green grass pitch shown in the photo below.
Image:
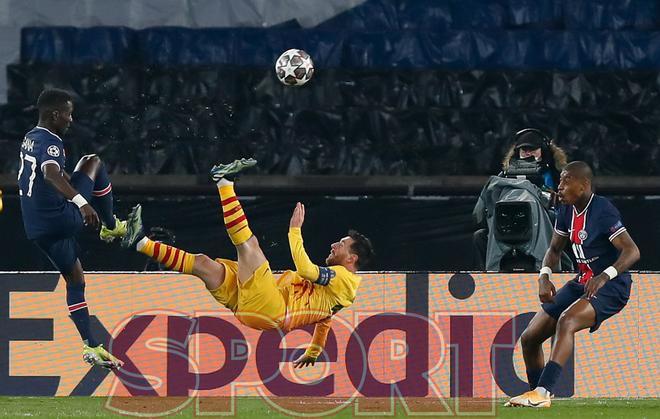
(94, 407)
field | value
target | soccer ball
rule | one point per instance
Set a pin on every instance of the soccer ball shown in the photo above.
(294, 67)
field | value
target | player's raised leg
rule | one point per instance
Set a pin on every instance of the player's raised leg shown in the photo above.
(101, 196)
(208, 270)
(250, 255)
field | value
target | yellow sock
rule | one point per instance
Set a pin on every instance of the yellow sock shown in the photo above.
(233, 215)
(174, 259)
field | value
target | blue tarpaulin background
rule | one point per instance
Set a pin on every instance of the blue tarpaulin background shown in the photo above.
(403, 87)
(333, 47)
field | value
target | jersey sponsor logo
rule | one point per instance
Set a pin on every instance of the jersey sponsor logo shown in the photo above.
(53, 150)
(583, 263)
(28, 144)
(584, 260)
(325, 275)
(582, 234)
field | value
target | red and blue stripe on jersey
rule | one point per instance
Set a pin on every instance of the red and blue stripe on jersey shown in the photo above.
(591, 232)
(578, 222)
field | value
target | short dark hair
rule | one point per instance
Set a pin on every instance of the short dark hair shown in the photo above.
(52, 99)
(362, 247)
(580, 169)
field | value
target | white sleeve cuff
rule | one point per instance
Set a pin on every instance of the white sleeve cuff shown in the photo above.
(561, 233)
(50, 162)
(616, 233)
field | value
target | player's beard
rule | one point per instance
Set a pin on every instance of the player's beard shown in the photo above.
(331, 260)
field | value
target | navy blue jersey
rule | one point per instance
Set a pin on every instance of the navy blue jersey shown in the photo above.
(591, 233)
(45, 210)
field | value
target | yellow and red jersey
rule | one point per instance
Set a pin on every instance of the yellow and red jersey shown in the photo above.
(307, 300)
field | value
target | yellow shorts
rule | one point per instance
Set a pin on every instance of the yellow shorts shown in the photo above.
(227, 293)
(258, 303)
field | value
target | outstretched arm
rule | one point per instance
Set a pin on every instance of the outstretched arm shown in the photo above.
(304, 266)
(317, 344)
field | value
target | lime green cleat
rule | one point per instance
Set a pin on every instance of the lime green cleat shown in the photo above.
(119, 231)
(101, 357)
(134, 229)
(221, 171)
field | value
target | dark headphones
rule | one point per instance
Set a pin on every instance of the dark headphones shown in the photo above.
(544, 138)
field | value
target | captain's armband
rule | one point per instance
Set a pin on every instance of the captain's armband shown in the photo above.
(325, 275)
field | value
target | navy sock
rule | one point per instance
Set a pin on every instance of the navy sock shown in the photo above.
(103, 201)
(75, 299)
(533, 377)
(550, 376)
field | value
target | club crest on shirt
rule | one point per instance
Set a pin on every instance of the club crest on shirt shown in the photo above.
(582, 235)
(53, 151)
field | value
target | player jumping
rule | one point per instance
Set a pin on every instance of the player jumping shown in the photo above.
(310, 295)
(604, 251)
(56, 206)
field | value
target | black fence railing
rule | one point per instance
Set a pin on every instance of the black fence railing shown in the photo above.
(417, 233)
(328, 185)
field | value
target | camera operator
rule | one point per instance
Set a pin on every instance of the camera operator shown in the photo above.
(534, 157)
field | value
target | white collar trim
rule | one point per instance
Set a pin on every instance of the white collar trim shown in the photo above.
(51, 132)
(585, 208)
